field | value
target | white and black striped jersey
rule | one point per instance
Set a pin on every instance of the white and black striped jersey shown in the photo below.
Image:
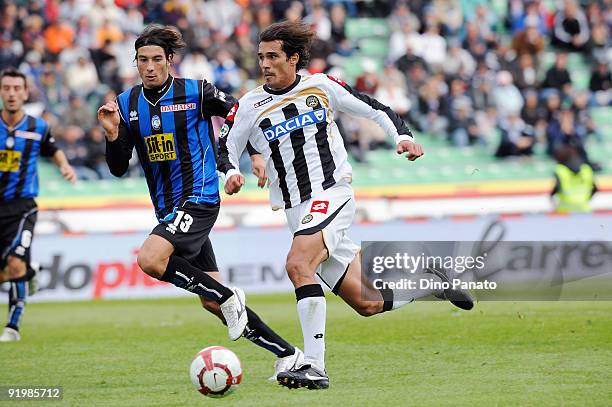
(295, 132)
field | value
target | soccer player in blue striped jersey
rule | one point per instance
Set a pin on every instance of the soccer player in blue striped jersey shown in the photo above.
(23, 139)
(168, 121)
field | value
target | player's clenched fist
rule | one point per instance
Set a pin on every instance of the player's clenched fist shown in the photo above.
(233, 184)
(414, 150)
(108, 115)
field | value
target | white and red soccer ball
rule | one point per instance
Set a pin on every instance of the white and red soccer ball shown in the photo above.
(215, 371)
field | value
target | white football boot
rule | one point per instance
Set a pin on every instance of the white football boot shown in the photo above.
(288, 363)
(235, 314)
(10, 335)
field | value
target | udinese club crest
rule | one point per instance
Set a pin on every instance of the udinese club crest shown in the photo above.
(312, 101)
(306, 219)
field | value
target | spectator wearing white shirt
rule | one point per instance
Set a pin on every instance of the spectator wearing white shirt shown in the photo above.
(82, 78)
(433, 47)
(507, 98)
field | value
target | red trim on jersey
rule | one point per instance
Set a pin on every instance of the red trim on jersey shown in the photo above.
(232, 113)
(338, 81)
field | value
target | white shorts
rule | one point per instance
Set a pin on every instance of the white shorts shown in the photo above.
(332, 212)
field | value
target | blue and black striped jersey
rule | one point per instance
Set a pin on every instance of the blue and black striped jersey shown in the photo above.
(19, 150)
(174, 141)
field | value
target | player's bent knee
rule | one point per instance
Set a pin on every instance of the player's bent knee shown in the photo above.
(297, 271)
(150, 265)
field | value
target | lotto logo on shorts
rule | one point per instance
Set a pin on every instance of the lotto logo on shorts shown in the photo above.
(9, 160)
(319, 206)
(160, 147)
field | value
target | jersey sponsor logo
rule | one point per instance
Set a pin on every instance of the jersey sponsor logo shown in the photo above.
(28, 135)
(178, 107)
(160, 147)
(296, 123)
(312, 101)
(338, 81)
(9, 160)
(232, 113)
(306, 219)
(262, 102)
(319, 206)
(133, 115)
(156, 122)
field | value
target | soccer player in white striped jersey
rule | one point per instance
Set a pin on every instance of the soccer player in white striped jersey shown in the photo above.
(290, 121)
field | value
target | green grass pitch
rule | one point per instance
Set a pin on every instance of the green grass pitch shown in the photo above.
(137, 353)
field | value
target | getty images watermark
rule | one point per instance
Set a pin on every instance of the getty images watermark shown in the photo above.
(412, 265)
(492, 270)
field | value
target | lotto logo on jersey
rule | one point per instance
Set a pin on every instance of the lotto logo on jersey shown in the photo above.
(9, 160)
(160, 147)
(296, 123)
(319, 206)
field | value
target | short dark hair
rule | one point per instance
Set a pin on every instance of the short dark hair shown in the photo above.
(14, 73)
(296, 38)
(167, 37)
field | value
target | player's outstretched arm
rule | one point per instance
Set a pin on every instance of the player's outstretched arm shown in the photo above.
(60, 160)
(352, 102)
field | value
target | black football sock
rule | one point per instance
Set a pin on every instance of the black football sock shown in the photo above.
(261, 335)
(387, 296)
(183, 275)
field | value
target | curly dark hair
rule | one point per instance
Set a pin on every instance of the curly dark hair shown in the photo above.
(296, 38)
(167, 37)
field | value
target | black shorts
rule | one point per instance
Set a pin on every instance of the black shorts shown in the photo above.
(187, 229)
(17, 220)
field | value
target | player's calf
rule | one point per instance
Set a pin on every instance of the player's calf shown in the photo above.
(15, 268)
(368, 308)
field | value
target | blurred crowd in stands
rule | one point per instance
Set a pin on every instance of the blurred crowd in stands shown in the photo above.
(455, 69)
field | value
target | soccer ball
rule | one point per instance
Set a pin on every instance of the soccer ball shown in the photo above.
(216, 371)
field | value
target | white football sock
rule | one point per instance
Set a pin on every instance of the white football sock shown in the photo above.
(408, 296)
(312, 312)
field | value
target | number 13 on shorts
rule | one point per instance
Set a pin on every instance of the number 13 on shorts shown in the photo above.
(182, 221)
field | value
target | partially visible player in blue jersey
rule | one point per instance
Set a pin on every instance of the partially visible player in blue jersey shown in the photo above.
(168, 121)
(23, 139)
